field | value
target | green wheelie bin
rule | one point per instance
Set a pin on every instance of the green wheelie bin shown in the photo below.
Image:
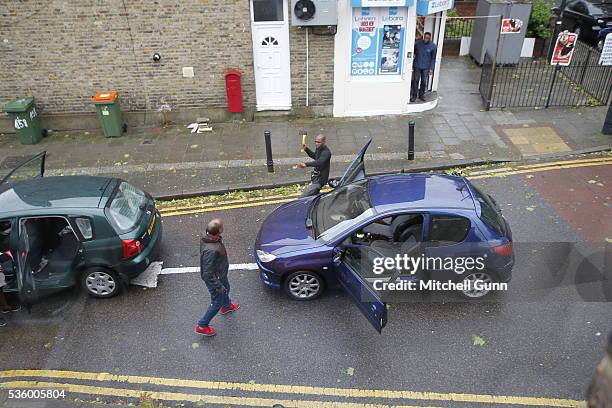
(25, 119)
(109, 113)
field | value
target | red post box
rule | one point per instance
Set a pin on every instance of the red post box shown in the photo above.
(234, 93)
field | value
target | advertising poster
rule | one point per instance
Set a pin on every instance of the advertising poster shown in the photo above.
(511, 26)
(606, 52)
(364, 42)
(564, 48)
(390, 53)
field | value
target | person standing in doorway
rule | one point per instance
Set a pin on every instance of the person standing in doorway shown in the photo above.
(214, 266)
(321, 161)
(424, 63)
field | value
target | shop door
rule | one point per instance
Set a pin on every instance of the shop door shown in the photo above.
(270, 33)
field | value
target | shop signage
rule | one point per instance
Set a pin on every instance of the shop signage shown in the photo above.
(378, 38)
(511, 25)
(425, 7)
(564, 48)
(382, 3)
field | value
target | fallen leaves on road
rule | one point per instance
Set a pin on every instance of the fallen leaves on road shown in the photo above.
(348, 371)
(478, 341)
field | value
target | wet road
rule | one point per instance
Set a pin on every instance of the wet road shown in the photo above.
(540, 339)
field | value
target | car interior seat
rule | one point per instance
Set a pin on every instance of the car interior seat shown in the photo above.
(61, 258)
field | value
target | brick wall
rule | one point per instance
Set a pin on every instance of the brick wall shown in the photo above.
(320, 67)
(62, 52)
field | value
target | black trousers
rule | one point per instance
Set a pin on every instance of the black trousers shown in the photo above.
(420, 77)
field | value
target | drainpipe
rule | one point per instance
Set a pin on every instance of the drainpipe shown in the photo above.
(306, 66)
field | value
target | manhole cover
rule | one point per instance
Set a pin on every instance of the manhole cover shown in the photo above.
(9, 163)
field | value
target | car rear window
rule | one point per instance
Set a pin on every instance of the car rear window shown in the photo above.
(449, 229)
(126, 207)
(490, 213)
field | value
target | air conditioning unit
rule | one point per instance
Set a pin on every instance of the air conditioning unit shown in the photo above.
(314, 12)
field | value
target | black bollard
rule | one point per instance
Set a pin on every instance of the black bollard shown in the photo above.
(269, 160)
(607, 127)
(411, 140)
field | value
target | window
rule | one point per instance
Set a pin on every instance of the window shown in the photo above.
(269, 41)
(267, 10)
(490, 214)
(84, 225)
(340, 209)
(126, 207)
(5, 233)
(449, 229)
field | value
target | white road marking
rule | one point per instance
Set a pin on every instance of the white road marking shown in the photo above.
(196, 269)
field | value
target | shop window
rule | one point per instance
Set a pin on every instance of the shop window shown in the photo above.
(267, 10)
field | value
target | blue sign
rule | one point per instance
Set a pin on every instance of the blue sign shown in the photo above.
(382, 3)
(426, 7)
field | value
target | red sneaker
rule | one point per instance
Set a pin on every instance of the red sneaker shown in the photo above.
(230, 309)
(205, 331)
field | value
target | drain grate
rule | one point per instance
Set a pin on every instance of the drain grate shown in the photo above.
(11, 162)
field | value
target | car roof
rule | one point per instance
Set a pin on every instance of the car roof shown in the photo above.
(50, 193)
(420, 191)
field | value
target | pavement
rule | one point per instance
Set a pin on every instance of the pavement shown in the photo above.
(171, 161)
(520, 348)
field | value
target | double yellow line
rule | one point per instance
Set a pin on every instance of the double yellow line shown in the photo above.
(293, 394)
(472, 175)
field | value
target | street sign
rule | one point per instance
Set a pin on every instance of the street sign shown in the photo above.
(564, 48)
(511, 25)
(606, 52)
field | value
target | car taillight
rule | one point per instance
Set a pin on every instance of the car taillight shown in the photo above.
(504, 249)
(131, 247)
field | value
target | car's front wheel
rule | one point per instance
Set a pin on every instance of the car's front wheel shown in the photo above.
(477, 285)
(101, 282)
(304, 285)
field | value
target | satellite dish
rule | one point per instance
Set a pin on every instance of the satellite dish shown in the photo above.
(304, 10)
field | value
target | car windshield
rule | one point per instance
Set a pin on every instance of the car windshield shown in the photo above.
(489, 211)
(341, 208)
(127, 207)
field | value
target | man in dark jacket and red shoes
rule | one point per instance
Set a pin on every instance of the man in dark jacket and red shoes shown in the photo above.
(321, 161)
(214, 266)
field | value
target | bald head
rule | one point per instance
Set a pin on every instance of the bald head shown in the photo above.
(215, 227)
(320, 140)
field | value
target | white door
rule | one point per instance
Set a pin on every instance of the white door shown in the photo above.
(270, 32)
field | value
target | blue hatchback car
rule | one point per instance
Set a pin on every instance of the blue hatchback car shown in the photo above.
(336, 238)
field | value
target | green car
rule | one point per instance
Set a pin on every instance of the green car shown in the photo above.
(58, 232)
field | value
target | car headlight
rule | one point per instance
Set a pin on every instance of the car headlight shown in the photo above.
(264, 256)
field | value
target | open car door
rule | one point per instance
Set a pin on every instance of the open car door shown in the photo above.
(26, 284)
(30, 168)
(356, 170)
(349, 264)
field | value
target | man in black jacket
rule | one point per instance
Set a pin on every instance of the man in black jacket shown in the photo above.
(321, 159)
(214, 265)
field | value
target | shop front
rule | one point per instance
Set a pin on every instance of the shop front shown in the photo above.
(374, 53)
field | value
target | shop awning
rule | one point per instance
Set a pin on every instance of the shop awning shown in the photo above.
(425, 7)
(382, 3)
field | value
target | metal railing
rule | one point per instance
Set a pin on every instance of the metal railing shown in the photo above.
(536, 83)
(458, 27)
